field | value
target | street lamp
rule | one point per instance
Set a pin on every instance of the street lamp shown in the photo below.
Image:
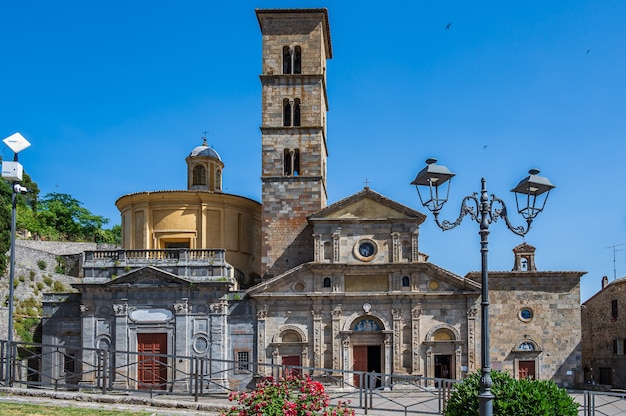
(531, 195)
(13, 171)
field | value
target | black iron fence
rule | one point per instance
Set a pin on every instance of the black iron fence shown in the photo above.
(104, 371)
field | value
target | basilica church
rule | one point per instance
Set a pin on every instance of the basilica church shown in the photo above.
(298, 280)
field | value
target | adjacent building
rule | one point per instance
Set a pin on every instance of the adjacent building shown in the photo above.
(604, 335)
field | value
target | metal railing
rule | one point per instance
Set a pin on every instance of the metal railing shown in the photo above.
(101, 371)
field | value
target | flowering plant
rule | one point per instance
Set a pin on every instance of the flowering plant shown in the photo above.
(291, 395)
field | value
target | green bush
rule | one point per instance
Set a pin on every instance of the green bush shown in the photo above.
(41, 264)
(58, 287)
(47, 280)
(512, 397)
(32, 275)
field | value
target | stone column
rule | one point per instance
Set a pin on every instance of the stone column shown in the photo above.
(397, 343)
(261, 346)
(414, 247)
(388, 341)
(415, 339)
(318, 249)
(181, 338)
(121, 343)
(396, 249)
(336, 236)
(318, 334)
(336, 327)
(471, 339)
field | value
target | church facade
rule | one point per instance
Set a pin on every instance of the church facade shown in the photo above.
(295, 281)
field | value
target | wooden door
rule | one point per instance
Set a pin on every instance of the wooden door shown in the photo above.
(152, 370)
(359, 357)
(526, 369)
(291, 360)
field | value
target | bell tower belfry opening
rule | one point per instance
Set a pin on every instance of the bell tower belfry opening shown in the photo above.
(296, 45)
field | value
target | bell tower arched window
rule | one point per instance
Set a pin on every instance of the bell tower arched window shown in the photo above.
(296, 112)
(286, 60)
(297, 60)
(291, 162)
(199, 175)
(292, 60)
(286, 113)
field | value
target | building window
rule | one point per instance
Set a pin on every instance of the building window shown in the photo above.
(292, 60)
(199, 175)
(327, 282)
(328, 251)
(218, 180)
(614, 309)
(286, 112)
(291, 112)
(296, 112)
(243, 361)
(286, 60)
(405, 281)
(291, 162)
(297, 60)
(525, 314)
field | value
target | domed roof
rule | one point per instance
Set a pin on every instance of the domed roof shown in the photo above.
(205, 150)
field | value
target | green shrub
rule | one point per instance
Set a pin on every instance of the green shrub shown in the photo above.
(47, 280)
(60, 267)
(42, 265)
(58, 287)
(512, 397)
(32, 275)
(39, 286)
(21, 278)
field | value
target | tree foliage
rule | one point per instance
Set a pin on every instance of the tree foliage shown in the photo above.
(57, 216)
(523, 397)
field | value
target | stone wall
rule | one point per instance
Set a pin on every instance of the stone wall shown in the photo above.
(553, 329)
(604, 336)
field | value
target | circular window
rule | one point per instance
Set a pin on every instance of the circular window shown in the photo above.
(299, 287)
(525, 314)
(433, 285)
(365, 250)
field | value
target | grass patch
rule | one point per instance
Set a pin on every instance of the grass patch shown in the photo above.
(18, 409)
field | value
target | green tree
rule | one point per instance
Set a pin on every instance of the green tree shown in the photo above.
(66, 215)
(523, 397)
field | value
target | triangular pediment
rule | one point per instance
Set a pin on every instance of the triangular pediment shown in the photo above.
(148, 276)
(367, 205)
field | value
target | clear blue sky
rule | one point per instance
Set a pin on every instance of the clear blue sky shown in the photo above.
(113, 95)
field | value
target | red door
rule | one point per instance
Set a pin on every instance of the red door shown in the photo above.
(152, 370)
(359, 355)
(291, 360)
(526, 369)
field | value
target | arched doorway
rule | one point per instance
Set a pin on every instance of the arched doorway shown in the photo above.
(443, 354)
(367, 348)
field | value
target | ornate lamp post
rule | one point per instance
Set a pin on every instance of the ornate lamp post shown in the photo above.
(531, 195)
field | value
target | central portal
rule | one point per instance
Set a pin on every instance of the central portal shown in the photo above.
(367, 358)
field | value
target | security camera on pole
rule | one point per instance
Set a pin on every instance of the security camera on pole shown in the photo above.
(13, 171)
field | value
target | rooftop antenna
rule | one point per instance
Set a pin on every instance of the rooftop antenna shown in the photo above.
(614, 247)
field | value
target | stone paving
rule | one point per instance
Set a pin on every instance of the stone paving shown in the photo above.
(422, 403)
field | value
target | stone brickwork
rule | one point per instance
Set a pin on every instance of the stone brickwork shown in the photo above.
(604, 335)
(294, 187)
(550, 337)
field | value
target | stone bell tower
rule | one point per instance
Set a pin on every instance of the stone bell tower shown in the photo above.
(296, 45)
